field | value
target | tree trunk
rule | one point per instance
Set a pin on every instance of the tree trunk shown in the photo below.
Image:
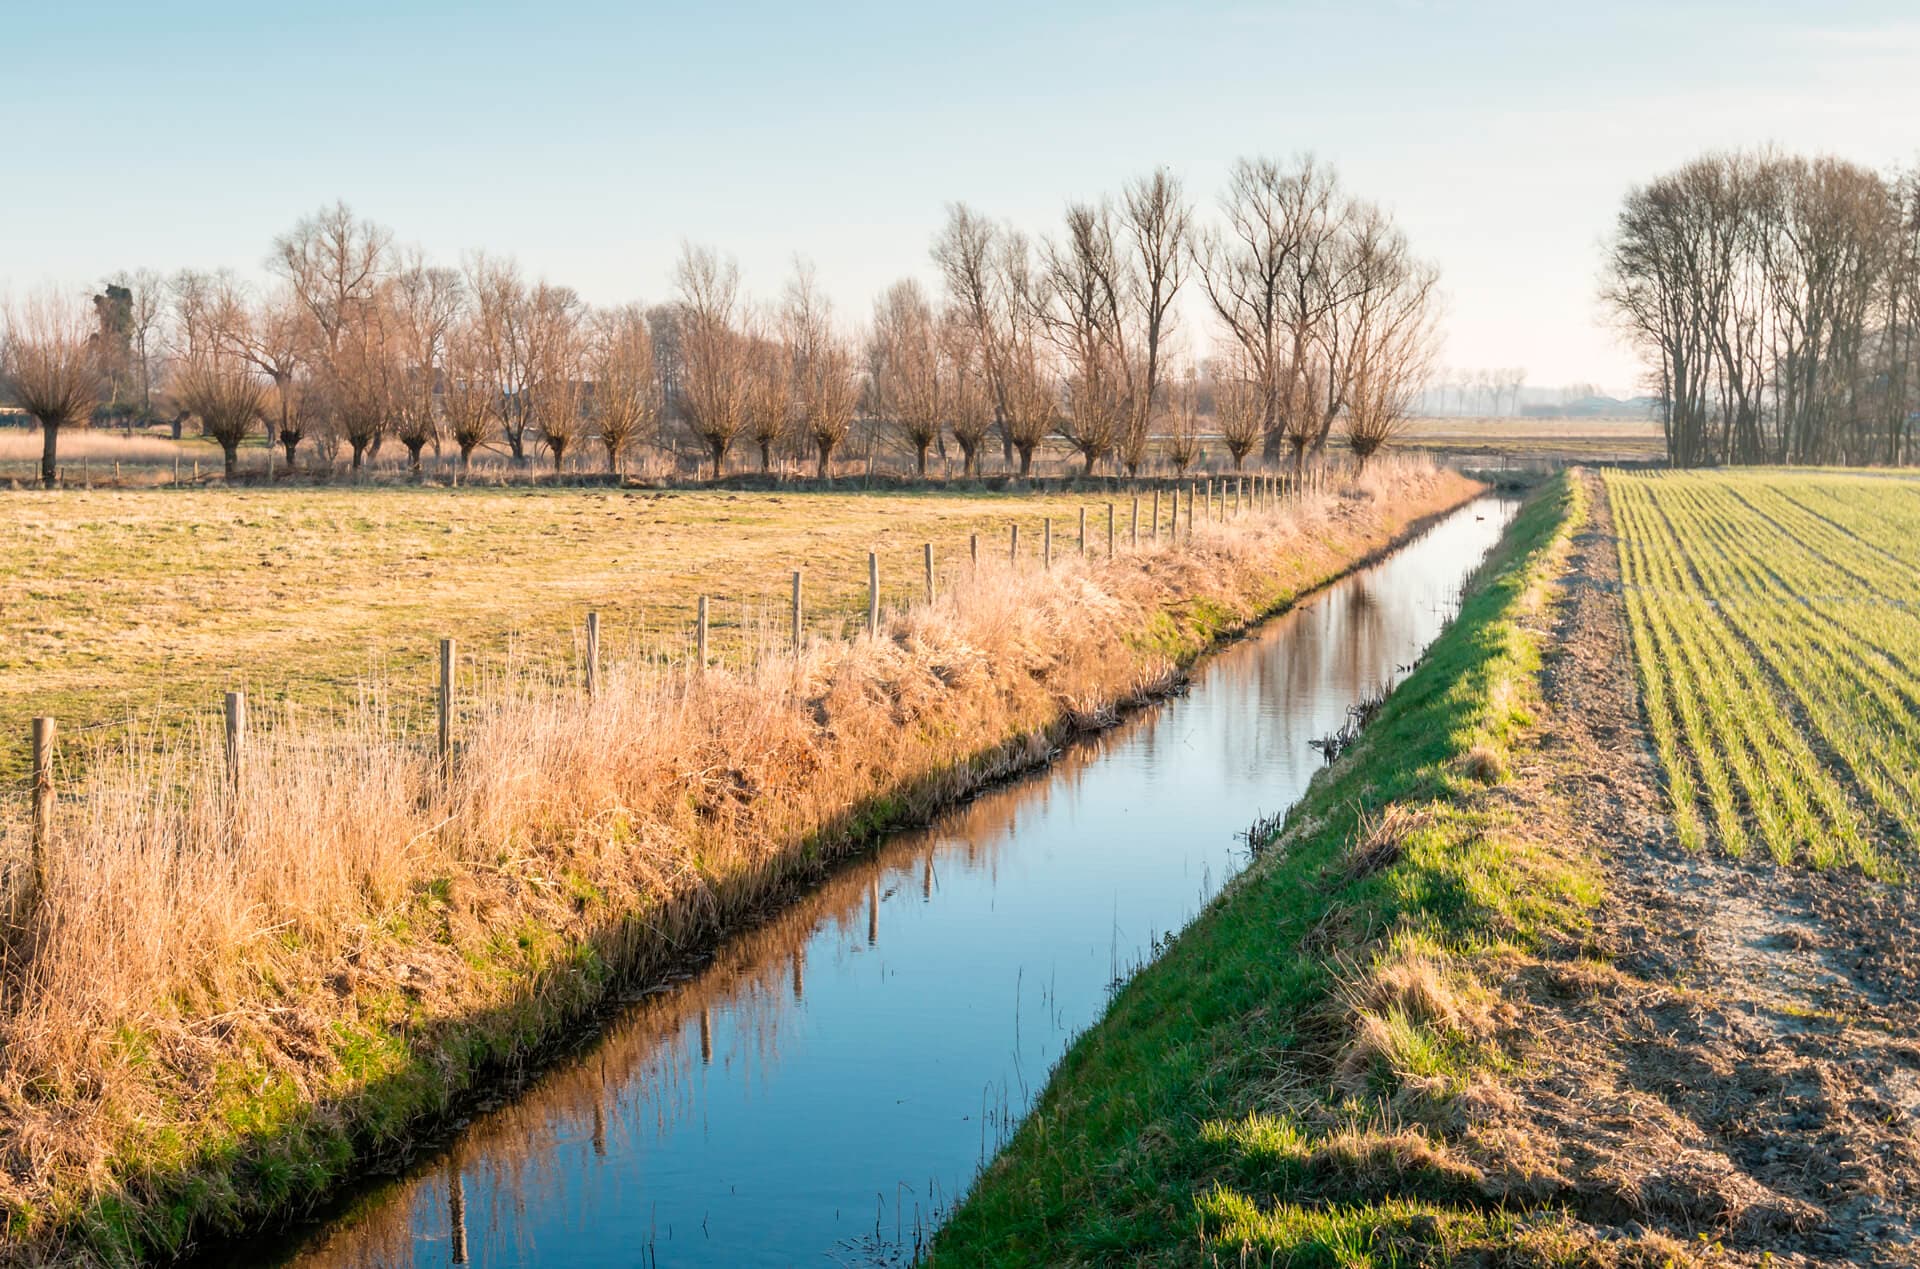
(289, 441)
(922, 463)
(766, 456)
(719, 449)
(826, 460)
(413, 454)
(232, 450)
(359, 453)
(49, 454)
(1026, 460)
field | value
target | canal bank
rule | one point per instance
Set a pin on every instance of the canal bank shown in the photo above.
(1292, 1080)
(827, 1087)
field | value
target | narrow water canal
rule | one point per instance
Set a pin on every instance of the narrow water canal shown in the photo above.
(825, 1089)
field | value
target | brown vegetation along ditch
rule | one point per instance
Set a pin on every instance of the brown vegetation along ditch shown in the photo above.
(218, 1004)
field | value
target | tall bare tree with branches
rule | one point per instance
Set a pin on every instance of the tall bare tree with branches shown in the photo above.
(48, 369)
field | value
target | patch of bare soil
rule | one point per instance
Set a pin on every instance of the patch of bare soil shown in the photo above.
(1735, 1052)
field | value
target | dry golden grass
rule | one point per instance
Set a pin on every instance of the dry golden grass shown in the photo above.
(152, 603)
(209, 981)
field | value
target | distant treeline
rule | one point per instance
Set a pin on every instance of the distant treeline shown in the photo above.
(1777, 301)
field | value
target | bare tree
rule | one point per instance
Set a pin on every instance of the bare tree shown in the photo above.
(48, 368)
(1032, 400)
(1182, 447)
(973, 254)
(472, 394)
(1159, 227)
(717, 374)
(826, 382)
(770, 391)
(427, 301)
(1240, 409)
(222, 389)
(335, 263)
(626, 383)
(908, 384)
(1392, 345)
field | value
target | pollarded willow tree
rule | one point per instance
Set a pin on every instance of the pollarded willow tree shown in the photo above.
(222, 389)
(48, 369)
(908, 382)
(625, 404)
(716, 371)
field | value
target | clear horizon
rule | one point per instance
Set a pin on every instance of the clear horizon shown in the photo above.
(589, 143)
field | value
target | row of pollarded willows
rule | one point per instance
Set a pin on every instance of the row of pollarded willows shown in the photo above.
(1323, 313)
(223, 995)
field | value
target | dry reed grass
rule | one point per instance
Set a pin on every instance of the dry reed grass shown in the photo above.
(203, 972)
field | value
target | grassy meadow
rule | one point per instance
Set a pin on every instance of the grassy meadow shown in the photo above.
(1778, 643)
(150, 603)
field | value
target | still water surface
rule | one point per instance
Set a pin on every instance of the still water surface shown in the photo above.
(824, 1090)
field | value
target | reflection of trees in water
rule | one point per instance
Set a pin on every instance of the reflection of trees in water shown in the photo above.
(643, 1077)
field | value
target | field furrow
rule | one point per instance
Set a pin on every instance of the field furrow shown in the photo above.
(1775, 618)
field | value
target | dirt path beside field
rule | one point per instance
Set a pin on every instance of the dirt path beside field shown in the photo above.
(1735, 1053)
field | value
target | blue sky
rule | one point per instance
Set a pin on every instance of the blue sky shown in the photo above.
(589, 139)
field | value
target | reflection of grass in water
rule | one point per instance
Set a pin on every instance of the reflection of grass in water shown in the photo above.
(1279, 1082)
(638, 1082)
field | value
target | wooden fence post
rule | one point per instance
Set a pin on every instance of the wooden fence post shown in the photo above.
(448, 653)
(1083, 533)
(796, 610)
(1046, 544)
(1110, 528)
(43, 730)
(927, 551)
(1134, 538)
(1013, 545)
(1191, 490)
(176, 469)
(700, 634)
(236, 743)
(593, 654)
(973, 549)
(1209, 497)
(1154, 532)
(873, 592)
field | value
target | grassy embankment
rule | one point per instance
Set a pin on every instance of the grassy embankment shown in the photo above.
(218, 1006)
(1288, 1083)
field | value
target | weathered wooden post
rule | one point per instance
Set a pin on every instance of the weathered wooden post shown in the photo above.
(1209, 497)
(196, 471)
(176, 469)
(926, 550)
(700, 634)
(1191, 491)
(796, 610)
(593, 654)
(1154, 532)
(1133, 539)
(43, 729)
(873, 592)
(1110, 528)
(973, 550)
(1013, 545)
(1083, 533)
(448, 655)
(236, 743)
(1046, 544)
